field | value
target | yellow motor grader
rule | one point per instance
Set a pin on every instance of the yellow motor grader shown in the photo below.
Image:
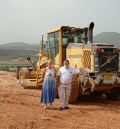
(30, 76)
(98, 63)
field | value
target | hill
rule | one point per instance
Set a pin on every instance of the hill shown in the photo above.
(17, 50)
(19, 45)
(108, 37)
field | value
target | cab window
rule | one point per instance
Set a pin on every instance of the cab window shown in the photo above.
(53, 39)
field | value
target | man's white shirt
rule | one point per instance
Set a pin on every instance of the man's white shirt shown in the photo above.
(66, 75)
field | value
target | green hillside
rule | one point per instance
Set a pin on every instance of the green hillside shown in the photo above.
(17, 50)
(12, 54)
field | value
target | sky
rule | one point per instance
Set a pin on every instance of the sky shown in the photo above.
(26, 20)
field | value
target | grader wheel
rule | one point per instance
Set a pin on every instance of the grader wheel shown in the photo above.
(74, 90)
(23, 74)
(113, 95)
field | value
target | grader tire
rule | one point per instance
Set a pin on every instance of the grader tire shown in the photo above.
(113, 95)
(23, 74)
(74, 90)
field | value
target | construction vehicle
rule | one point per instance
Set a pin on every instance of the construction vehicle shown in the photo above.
(31, 75)
(98, 63)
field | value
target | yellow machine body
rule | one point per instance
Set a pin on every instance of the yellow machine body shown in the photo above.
(98, 63)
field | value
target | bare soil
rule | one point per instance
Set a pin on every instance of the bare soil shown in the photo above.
(21, 109)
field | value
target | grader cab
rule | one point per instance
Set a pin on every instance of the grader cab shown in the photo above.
(98, 63)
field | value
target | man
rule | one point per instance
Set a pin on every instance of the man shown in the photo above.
(65, 73)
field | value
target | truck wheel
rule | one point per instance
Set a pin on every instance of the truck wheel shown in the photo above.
(113, 95)
(23, 74)
(74, 89)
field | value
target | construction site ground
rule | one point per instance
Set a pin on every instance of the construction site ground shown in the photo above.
(21, 109)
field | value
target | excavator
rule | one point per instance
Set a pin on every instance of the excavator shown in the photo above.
(98, 63)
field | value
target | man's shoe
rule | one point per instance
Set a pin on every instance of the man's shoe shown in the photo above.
(61, 108)
(66, 107)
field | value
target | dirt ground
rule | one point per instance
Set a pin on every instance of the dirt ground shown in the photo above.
(21, 109)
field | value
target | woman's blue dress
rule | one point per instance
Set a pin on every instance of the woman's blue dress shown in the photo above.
(48, 88)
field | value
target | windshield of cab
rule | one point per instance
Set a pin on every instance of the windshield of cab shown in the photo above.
(73, 37)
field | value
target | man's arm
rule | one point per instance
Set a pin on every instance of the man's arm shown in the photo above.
(75, 71)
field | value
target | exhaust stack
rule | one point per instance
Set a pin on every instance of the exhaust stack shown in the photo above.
(90, 32)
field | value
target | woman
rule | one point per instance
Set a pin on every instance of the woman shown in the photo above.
(48, 87)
